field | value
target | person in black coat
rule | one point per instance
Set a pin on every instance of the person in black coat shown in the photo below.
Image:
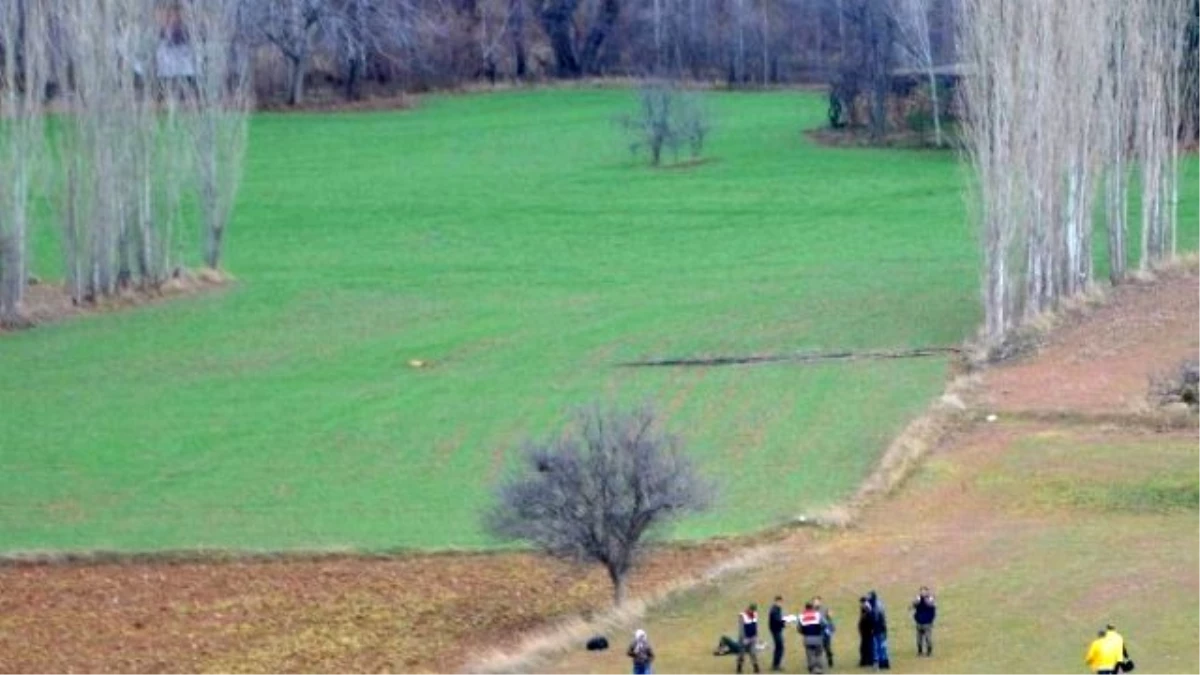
(866, 634)
(776, 624)
(879, 630)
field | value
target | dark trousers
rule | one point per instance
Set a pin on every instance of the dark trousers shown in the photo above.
(814, 653)
(777, 658)
(828, 643)
(749, 649)
(925, 639)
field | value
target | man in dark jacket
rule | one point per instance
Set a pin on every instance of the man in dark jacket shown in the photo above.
(879, 631)
(775, 623)
(924, 613)
(641, 652)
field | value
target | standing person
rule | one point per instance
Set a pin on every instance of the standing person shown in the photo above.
(1108, 653)
(830, 627)
(641, 652)
(748, 637)
(812, 628)
(776, 624)
(1104, 655)
(924, 612)
(879, 631)
(866, 634)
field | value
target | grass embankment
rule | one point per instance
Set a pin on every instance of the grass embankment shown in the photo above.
(511, 243)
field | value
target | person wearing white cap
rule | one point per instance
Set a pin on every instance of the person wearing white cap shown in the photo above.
(641, 652)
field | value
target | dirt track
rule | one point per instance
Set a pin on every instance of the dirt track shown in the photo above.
(437, 612)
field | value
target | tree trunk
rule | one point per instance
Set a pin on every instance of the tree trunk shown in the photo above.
(556, 21)
(937, 113)
(212, 249)
(619, 585)
(589, 60)
(354, 78)
(516, 27)
(296, 87)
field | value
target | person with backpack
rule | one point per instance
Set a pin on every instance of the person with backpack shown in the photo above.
(776, 624)
(641, 652)
(812, 630)
(924, 613)
(748, 637)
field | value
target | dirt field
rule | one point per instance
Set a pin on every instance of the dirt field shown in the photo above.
(1032, 534)
(421, 613)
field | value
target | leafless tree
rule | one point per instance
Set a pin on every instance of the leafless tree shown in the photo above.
(598, 492)
(293, 27)
(111, 149)
(23, 74)
(912, 20)
(667, 118)
(217, 103)
(1056, 91)
(1160, 40)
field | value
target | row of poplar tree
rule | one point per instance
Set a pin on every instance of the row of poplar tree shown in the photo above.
(124, 127)
(1073, 105)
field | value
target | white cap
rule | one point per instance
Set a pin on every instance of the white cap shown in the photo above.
(639, 634)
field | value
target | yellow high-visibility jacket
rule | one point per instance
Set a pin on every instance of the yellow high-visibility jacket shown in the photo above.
(1105, 652)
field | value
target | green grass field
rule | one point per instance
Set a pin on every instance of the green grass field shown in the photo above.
(511, 241)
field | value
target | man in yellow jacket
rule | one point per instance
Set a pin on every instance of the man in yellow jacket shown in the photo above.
(1106, 652)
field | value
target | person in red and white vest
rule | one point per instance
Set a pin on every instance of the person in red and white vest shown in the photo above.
(748, 637)
(812, 629)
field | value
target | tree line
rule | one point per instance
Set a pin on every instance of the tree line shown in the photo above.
(413, 45)
(1068, 103)
(124, 124)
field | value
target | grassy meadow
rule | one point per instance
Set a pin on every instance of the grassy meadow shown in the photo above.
(512, 243)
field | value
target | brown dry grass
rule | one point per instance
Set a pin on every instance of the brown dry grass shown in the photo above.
(48, 303)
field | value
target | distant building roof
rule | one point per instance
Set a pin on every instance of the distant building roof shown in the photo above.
(945, 70)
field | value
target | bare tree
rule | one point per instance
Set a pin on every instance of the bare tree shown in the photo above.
(667, 118)
(23, 74)
(1046, 118)
(598, 492)
(217, 108)
(292, 26)
(912, 20)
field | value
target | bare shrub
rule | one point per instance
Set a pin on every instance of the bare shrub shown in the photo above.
(667, 118)
(598, 492)
(1178, 386)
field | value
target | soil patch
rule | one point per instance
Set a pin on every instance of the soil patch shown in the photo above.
(417, 613)
(47, 303)
(1102, 360)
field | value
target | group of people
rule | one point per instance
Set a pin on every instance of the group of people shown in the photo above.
(816, 626)
(1106, 655)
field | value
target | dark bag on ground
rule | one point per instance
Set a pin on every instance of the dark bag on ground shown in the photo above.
(597, 644)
